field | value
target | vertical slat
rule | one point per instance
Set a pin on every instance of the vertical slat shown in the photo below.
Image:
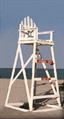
(28, 21)
(34, 25)
(21, 23)
(31, 23)
(51, 35)
(22, 34)
(19, 31)
(25, 24)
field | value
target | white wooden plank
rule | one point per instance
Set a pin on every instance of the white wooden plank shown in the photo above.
(17, 108)
(31, 23)
(24, 74)
(25, 24)
(45, 96)
(30, 58)
(34, 25)
(45, 32)
(22, 28)
(28, 21)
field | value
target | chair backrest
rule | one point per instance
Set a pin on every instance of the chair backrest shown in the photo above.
(27, 28)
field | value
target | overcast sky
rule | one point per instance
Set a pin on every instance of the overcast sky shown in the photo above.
(47, 14)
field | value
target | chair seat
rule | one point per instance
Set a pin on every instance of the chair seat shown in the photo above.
(30, 41)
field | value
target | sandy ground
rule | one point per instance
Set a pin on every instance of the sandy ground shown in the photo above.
(18, 93)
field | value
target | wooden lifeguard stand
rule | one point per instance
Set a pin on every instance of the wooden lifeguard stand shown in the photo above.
(28, 35)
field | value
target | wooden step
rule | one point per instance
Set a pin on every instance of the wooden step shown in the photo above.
(45, 61)
(47, 79)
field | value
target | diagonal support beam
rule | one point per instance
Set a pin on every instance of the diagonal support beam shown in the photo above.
(24, 73)
(30, 58)
(55, 74)
(48, 75)
(13, 71)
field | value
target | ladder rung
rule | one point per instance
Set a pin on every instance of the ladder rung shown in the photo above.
(45, 96)
(45, 61)
(37, 79)
(53, 79)
(46, 79)
(49, 79)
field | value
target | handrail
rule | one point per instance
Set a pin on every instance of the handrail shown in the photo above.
(45, 32)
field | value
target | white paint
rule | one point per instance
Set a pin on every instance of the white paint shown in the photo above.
(28, 34)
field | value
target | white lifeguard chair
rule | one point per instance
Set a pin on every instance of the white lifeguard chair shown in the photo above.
(28, 35)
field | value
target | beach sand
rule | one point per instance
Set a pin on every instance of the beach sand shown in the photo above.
(18, 93)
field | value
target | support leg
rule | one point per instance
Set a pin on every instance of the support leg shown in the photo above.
(24, 74)
(35, 82)
(55, 74)
(33, 72)
(13, 71)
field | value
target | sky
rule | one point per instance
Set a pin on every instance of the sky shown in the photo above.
(47, 14)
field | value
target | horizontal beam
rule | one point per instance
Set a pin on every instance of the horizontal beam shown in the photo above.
(45, 32)
(45, 96)
(45, 61)
(46, 79)
(39, 79)
(16, 108)
(30, 41)
(16, 104)
(45, 110)
(27, 28)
